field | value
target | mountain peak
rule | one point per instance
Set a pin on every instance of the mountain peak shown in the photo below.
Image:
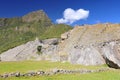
(39, 15)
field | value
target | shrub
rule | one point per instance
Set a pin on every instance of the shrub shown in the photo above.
(39, 50)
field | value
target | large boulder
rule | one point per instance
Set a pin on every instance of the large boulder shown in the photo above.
(52, 41)
(65, 35)
(49, 49)
(111, 53)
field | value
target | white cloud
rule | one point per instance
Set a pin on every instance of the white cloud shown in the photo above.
(70, 15)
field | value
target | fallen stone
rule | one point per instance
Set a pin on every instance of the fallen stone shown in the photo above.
(17, 74)
(40, 72)
(55, 71)
(5, 75)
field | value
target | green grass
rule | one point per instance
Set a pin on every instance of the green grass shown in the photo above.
(26, 66)
(55, 31)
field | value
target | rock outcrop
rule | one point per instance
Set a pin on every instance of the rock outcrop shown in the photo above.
(23, 52)
(93, 45)
(86, 45)
(29, 51)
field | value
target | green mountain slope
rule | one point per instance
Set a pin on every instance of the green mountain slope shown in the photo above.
(19, 30)
(55, 31)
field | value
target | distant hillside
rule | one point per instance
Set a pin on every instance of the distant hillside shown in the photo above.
(18, 30)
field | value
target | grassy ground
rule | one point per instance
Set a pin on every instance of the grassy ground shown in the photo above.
(40, 65)
(27, 66)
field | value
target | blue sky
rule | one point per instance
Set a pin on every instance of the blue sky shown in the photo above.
(99, 10)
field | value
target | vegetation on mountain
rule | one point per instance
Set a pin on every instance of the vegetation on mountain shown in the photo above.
(19, 30)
